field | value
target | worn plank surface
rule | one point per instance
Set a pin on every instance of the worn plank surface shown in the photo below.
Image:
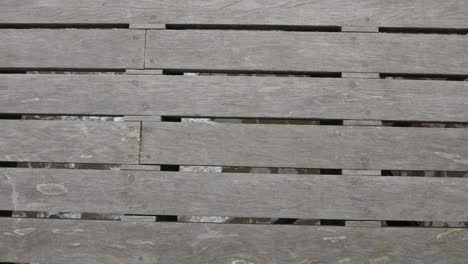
(93, 242)
(305, 146)
(307, 51)
(69, 141)
(223, 96)
(71, 48)
(225, 194)
(396, 13)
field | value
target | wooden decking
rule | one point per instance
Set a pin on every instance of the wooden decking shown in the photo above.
(140, 114)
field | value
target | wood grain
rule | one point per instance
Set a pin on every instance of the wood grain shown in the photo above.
(307, 51)
(224, 96)
(72, 48)
(301, 146)
(95, 242)
(69, 141)
(384, 13)
(237, 195)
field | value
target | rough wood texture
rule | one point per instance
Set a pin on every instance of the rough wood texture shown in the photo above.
(395, 13)
(94, 242)
(71, 48)
(242, 195)
(307, 51)
(305, 146)
(69, 141)
(223, 96)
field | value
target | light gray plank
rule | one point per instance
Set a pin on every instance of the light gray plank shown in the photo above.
(72, 48)
(395, 13)
(237, 195)
(307, 51)
(69, 141)
(95, 242)
(345, 147)
(223, 96)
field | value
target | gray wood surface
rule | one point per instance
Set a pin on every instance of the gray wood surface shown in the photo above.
(115, 242)
(236, 195)
(307, 51)
(395, 13)
(223, 96)
(302, 146)
(71, 48)
(69, 141)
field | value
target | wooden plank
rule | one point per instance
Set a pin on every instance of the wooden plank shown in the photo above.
(228, 96)
(69, 141)
(237, 195)
(305, 146)
(307, 51)
(93, 242)
(72, 48)
(395, 13)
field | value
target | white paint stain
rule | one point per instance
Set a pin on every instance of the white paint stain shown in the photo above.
(334, 239)
(31, 100)
(75, 244)
(51, 189)
(449, 233)
(86, 156)
(24, 231)
(139, 242)
(453, 157)
(381, 260)
(345, 260)
(67, 231)
(327, 229)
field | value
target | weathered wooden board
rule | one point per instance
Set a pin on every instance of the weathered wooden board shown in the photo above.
(396, 13)
(96, 242)
(72, 48)
(307, 51)
(223, 96)
(305, 146)
(69, 141)
(241, 195)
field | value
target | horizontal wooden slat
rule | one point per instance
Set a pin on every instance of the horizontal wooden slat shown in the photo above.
(71, 48)
(396, 13)
(223, 96)
(69, 141)
(307, 51)
(226, 194)
(96, 242)
(305, 146)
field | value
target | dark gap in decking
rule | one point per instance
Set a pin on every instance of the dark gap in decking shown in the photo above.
(416, 30)
(413, 76)
(79, 117)
(428, 173)
(284, 221)
(11, 116)
(425, 124)
(259, 73)
(266, 120)
(171, 119)
(332, 222)
(63, 26)
(253, 27)
(262, 170)
(170, 168)
(166, 218)
(61, 71)
(6, 213)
